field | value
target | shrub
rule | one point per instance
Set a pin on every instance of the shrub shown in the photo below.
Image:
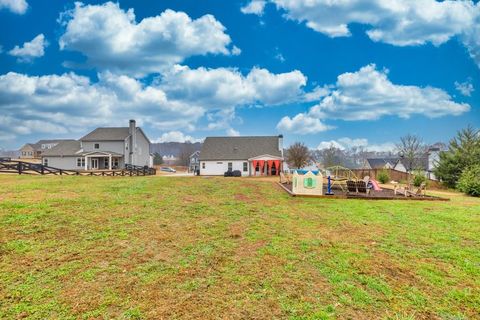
(469, 181)
(383, 176)
(418, 179)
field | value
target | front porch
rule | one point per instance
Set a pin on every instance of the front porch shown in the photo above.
(101, 161)
(265, 165)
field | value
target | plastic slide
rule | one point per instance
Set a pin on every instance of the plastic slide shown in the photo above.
(375, 185)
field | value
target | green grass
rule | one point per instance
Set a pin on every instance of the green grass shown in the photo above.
(190, 248)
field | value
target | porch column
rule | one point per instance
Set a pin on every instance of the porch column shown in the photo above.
(110, 162)
(86, 163)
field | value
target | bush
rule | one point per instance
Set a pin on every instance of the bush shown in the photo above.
(383, 176)
(469, 181)
(418, 179)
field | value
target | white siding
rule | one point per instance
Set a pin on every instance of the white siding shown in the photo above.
(218, 168)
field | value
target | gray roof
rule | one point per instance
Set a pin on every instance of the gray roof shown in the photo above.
(38, 145)
(418, 163)
(107, 134)
(379, 163)
(64, 148)
(239, 148)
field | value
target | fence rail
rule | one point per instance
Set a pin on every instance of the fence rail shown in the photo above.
(21, 167)
(393, 174)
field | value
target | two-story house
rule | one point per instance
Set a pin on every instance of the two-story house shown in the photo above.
(35, 150)
(102, 149)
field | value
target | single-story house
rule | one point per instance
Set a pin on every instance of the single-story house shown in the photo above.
(102, 149)
(252, 156)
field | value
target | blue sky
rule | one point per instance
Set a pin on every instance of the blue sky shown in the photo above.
(356, 73)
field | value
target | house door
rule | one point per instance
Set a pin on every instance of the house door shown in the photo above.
(94, 163)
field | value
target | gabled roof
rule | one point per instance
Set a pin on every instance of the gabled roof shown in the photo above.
(64, 148)
(418, 163)
(38, 145)
(107, 134)
(239, 148)
(111, 134)
(195, 154)
(379, 163)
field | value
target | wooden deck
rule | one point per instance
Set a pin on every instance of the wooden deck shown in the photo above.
(385, 194)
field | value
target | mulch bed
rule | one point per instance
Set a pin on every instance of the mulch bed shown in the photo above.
(385, 194)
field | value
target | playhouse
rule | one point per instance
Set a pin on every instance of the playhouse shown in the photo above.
(307, 184)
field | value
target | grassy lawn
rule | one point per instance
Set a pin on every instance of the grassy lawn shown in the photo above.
(196, 248)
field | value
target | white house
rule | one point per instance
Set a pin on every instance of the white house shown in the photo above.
(252, 156)
(102, 149)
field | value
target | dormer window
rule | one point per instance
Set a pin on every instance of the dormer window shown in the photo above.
(97, 146)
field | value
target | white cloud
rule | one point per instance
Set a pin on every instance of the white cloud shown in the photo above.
(349, 143)
(112, 40)
(232, 132)
(236, 51)
(176, 136)
(254, 7)
(316, 94)
(70, 103)
(16, 6)
(30, 50)
(302, 124)
(225, 88)
(465, 88)
(368, 94)
(329, 144)
(400, 23)
(280, 57)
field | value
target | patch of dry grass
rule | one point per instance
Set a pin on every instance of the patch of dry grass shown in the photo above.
(192, 248)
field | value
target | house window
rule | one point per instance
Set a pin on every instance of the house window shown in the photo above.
(80, 162)
(105, 162)
(45, 161)
(245, 166)
(23, 153)
(203, 165)
(230, 166)
(115, 162)
(97, 146)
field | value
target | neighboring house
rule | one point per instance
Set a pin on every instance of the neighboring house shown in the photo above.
(170, 159)
(252, 156)
(425, 164)
(35, 150)
(380, 163)
(102, 149)
(194, 161)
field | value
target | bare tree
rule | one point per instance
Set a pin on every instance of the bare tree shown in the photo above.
(410, 149)
(329, 157)
(298, 155)
(186, 151)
